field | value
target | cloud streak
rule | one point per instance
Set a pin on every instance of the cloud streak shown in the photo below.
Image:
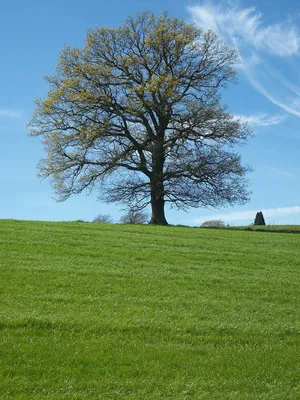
(262, 119)
(281, 173)
(246, 25)
(4, 112)
(261, 47)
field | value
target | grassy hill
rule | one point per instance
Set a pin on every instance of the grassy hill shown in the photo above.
(96, 311)
(269, 228)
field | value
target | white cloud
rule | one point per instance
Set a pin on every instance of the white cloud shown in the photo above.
(281, 173)
(10, 113)
(240, 25)
(261, 47)
(262, 119)
(289, 106)
(250, 215)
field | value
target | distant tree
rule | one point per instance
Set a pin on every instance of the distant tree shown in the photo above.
(214, 223)
(137, 113)
(259, 219)
(134, 216)
(104, 218)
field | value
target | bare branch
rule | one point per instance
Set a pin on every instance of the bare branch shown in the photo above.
(137, 113)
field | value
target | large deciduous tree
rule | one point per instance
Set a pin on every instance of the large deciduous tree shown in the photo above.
(137, 114)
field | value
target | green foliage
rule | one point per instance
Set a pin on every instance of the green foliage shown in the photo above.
(100, 311)
(137, 114)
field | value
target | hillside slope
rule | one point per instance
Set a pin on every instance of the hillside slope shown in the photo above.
(96, 311)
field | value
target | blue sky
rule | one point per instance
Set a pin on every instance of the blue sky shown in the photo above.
(267, 34)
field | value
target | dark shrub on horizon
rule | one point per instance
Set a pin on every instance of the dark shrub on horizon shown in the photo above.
(259, 219)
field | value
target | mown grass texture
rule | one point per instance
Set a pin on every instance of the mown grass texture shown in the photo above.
(99, 311)
(269, 228)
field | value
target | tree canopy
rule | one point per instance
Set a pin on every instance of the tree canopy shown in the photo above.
(137, 115)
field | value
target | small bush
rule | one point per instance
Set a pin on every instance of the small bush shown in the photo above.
(103, 218)
(214, 223)
(259, 219)
(134, 217)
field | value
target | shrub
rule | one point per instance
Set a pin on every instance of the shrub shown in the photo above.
(259, 219)
(134, 217)
(104, 218)
(213, 223)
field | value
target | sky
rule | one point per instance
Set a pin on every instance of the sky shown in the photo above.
(266, 33)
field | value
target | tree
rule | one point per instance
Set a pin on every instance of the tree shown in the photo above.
(259, 219)
(214, 223)
(134, 217)
(137, 114)
(104, 218)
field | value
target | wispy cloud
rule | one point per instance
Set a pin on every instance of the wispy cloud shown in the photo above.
(289, 102)
(239, 25)
(250, 215)
(4, 112)
(281, 172)
(262, 119)
(261, 46)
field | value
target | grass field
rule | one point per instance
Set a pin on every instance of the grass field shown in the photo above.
(269, 228)
(96, 311)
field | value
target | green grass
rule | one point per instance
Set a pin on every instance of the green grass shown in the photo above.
(96, 311)
(269, 228)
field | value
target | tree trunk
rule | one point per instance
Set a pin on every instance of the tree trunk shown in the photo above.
(157, 184)
(158, 205)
